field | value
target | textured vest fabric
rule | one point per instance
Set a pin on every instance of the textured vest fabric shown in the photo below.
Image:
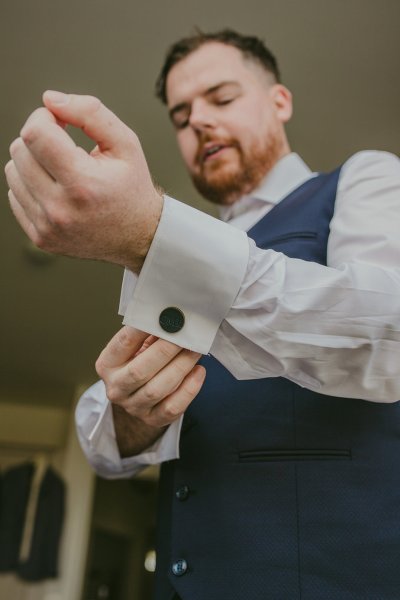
(282, 493)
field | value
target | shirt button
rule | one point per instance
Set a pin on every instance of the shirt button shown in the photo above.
(179, 567)
(172, 319)
(182, 493)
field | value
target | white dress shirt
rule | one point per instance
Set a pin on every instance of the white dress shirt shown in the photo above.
(333, 329)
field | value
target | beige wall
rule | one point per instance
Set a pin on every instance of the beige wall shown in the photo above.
(24, 431)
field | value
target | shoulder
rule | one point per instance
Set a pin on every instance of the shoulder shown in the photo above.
(364, 227)
(368, 165)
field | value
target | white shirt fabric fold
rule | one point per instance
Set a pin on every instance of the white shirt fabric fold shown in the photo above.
(334, 329)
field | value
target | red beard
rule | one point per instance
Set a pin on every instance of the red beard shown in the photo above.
(224, 179)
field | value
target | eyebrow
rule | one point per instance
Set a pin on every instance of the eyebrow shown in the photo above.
(215, 88)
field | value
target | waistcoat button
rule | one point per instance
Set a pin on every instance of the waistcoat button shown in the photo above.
(179, 567)
(182, 493)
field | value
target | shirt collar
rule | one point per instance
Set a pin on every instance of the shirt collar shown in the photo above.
(288, 174)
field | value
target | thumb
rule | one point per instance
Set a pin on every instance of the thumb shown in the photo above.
(96, 120)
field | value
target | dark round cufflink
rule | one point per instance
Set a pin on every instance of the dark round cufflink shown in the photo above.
(172, 319)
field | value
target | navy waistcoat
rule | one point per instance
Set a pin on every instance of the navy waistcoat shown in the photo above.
(282, 493)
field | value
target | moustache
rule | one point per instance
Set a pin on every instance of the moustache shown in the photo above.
(208, 144)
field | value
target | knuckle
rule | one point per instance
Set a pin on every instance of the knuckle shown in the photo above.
(9, 171)
(81, 191)
(43, 238)
(32, 129)
(29, 133)
(100, 367)
(43, 235)
(58, 220)
(151, 392)
(40, 241)
(125, 337)
(171, 410)
(191, 388)
(93, 104)
(15, 146)
(126, 403)
(113, 393)
(136, 372)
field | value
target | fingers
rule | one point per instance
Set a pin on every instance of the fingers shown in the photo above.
(174, 405)
(37, 181)
(52, 147)
(152, 379)
(122, 347)
(95, 119)
(26, 210)
(54, 150)
(21, 217)
(123, 375)
(147, 343)
(155, 389)
(144, 367)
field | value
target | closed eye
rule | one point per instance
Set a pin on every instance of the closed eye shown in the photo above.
(223, 101)
(180, 119)
(181, 124)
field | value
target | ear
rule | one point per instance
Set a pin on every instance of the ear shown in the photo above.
(282, 99)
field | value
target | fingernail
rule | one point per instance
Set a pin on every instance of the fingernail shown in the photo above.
(57, 97)
(199, 374)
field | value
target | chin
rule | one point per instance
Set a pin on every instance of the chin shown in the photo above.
(219, 190)
(225, 181)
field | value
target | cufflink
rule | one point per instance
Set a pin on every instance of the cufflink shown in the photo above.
(172, 319)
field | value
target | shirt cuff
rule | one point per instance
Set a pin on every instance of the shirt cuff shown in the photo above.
(96, 433)
(196, 264)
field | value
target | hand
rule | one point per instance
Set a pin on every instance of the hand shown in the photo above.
(151, 379)
(101, 205)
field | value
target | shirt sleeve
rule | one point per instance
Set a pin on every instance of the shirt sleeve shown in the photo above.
(196, 263)
(333, 329)
(96, 434)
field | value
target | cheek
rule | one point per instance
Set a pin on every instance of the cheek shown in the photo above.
(249, 133)
(250, 125)
(269, 123)
(258, 119)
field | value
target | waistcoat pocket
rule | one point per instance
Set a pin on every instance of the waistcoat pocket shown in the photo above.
(293, 235)
(294, 454)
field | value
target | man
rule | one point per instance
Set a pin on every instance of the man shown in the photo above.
(287, 481)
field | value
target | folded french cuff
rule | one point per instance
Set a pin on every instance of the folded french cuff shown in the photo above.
(189, 280)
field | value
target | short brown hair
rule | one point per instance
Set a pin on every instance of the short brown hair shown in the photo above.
(251, 47)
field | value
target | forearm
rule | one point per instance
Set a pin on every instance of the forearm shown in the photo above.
(133, 436)
(336, 332)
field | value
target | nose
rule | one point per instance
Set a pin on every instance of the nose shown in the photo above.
(202, 117)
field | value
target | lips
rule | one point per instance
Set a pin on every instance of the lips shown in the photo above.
(211, 149)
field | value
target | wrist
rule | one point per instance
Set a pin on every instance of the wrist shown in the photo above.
(133, 436)
(144, 239)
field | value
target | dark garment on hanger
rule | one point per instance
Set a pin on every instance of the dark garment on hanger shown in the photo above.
(43, 557)
(14, 497)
